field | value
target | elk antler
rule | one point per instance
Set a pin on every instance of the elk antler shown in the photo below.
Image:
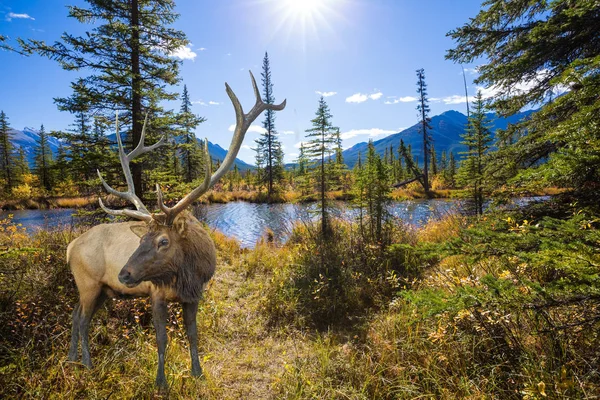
(243, 122)
(142, 212)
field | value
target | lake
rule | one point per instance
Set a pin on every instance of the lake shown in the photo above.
(248, 221)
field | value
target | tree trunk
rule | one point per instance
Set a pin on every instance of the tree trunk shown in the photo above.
(136, 96)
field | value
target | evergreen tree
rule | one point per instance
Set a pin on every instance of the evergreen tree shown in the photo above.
(191, 155)
(372, 189)
(423, 109)
(6, 152)
(477, 138)
(434, 165)
(452, 170)
(322, 141)
(43, 160)
(537, 50)
(412, 168)
(21, 167)
(269, 152)
(127, 55)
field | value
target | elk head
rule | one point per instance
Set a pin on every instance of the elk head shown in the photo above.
(170, 240)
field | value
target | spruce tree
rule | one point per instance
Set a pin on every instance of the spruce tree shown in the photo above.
(424, 126)
(434, 164)
(127, 55)
(535, 51)
(477, 138)
(268, 147)
(322, 142)
(191, 155)
(43, 160)
(6, 152)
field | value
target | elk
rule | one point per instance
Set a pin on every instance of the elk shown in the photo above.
(165, 255)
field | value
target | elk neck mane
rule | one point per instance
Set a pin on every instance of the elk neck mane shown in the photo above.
(193, 266)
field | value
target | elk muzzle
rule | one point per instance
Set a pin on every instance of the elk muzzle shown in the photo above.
(126, 278)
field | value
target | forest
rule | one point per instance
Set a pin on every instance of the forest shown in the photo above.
(499, 300)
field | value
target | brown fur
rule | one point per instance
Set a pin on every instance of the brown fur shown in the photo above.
(177, 271)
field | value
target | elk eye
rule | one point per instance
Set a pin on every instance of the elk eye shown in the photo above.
(163, 242)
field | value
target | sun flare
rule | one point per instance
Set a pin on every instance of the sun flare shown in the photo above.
(303, 7)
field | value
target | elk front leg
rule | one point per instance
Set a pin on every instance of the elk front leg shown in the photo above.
(75, 333)
(189, 318)
(159, 316)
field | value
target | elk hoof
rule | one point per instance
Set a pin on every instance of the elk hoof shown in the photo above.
(197, 371)
(161, 382)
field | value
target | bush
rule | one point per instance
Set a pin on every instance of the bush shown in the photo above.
(331, 282)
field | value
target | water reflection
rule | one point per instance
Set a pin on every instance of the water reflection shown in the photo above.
(247, 222)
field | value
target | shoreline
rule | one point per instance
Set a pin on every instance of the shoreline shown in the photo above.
(80, 202)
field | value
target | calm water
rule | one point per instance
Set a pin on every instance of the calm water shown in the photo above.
(248, 222)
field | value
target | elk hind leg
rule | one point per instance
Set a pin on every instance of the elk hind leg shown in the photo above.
(90, 301)
(75, 333)
(189, 317)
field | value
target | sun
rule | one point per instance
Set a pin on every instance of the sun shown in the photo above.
(303, 21)
(303, 8)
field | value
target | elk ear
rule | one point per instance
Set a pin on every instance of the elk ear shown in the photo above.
(139, 230)
(180, 226)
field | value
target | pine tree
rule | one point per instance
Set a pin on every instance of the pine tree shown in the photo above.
(43, 160)
(537, 50)
(268, 147)
(452, 170)
(6, 152)
(372, 189)
(191, 157)
(434, 165)
(321, 144)
(423, 109)
(477, 138)
(21, 167)
(127, 55)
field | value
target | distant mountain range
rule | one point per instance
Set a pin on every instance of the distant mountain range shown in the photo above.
(446, 132)
(28, 138)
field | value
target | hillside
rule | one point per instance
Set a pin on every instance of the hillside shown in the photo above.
(447, 128)
(29, 137)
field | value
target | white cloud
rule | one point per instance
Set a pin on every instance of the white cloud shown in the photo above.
(10, 16)
(201, 48)
(369, 132)
(357, 98)
(405, 99)
(495, 90)
(288, 132)
(361, 98)
(252, 128)
(325, 94)
(454, 99)
(245, 146)
(471, 71)
(184, 53)
(203, 103)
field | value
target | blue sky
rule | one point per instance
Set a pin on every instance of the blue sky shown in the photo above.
(362, 54)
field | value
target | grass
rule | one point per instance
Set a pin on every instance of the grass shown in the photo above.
(48, 202)
(451, 316)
